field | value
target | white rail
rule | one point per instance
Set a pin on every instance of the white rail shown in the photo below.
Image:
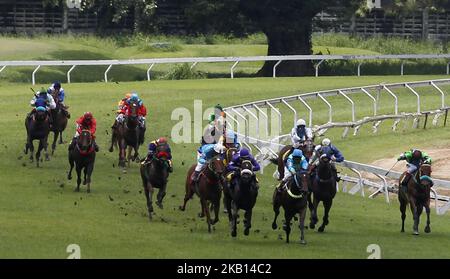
(235, 60)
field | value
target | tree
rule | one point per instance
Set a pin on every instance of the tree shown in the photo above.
(287, 25)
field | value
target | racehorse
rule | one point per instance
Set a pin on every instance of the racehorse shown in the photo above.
(127, 134)
(83, 156)
(323, 190)
(38, 128)
(293, 200)
(208, 188)
(242, 196)
(307, 148)
(60, 117)
(154, 174)
(418, 197)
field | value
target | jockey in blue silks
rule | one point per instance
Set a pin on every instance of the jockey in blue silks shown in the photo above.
(329, 150)
(207, 152)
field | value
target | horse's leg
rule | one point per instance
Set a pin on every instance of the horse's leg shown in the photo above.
(205, 210)
(31, 146)
(427, 211)
(90, 169)
(403, 205)
(276, 209)
(188, 195)
(69, 175)
(45, 147)
(314, 219)
(287, 224)
(234, 213)
(85, 175)
(414, 210)
(161, 195)
(129, 155)
(149, 196)
(113, 140)
(78, 169)
(55, 139)
(247, 221)
(216, 205)
(327, 205)
(38, 153)
(302, 214)
(60, 137)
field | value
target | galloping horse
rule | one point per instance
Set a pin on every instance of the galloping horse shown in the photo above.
(83, 155)
(127, 134)
(60, 117)
(38, 128)
(208, 188)
(307, 148)
(418, 197)
(293, 200)
(154, 174)
(242, 196)
(323, 190)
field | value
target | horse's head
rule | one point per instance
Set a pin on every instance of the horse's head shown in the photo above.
(246, 170)
(308, 148)
(324, 160)
(216, 166)
(229, 154)
(132, 117)
(300, 181)
(425, 175)
(85, 140)
(40, 116)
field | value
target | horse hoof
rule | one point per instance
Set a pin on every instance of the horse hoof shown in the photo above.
(303, 242)
(77, 190)
(84, 182)
(88, 190)
(110, 149)
(247, 231)
(274, 226)
(181, 208)
(402, 231)
(201, 215)
(312, 226)
(321, 229)
(225, 211)
(415, 233)
(233, 233)
(159, 204)
(427, 229)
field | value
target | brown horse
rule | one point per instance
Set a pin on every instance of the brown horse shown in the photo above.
(208, 188)
(418, 197)
(155, 174)
(83, 156)
(293, 200)
(323, 188)
(307, 148)
(127, 135)
(38, 128)
(60, 116)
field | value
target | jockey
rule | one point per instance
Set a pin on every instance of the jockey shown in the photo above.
(216, 122)
(56, 90)
(85, 122)
(121, 104)
(43, 99)
(208, 151)
(329, 150)
(294, 162)
(300, 133)
(414, 159)
(236, 162)
(231, 140)
(125, 111)
(152, 148)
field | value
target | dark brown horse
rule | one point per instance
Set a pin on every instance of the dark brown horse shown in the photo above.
(242, 195)
(127, 135)
(208, 188)
(60, 117)
(293, 199)
(418, 197)
(38, 128)
(307, 148)
(154, 174)
(323, 189)
(83, 156)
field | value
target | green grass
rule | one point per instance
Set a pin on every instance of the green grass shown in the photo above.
(80, 47)
(40, 214)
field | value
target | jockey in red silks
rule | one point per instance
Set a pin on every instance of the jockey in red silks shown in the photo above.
(126, 110)
(85, 122)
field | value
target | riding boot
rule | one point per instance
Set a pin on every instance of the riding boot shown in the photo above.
(95, 146)
(336, 177)
(170, 166)
(195, 176)
(72, 144)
